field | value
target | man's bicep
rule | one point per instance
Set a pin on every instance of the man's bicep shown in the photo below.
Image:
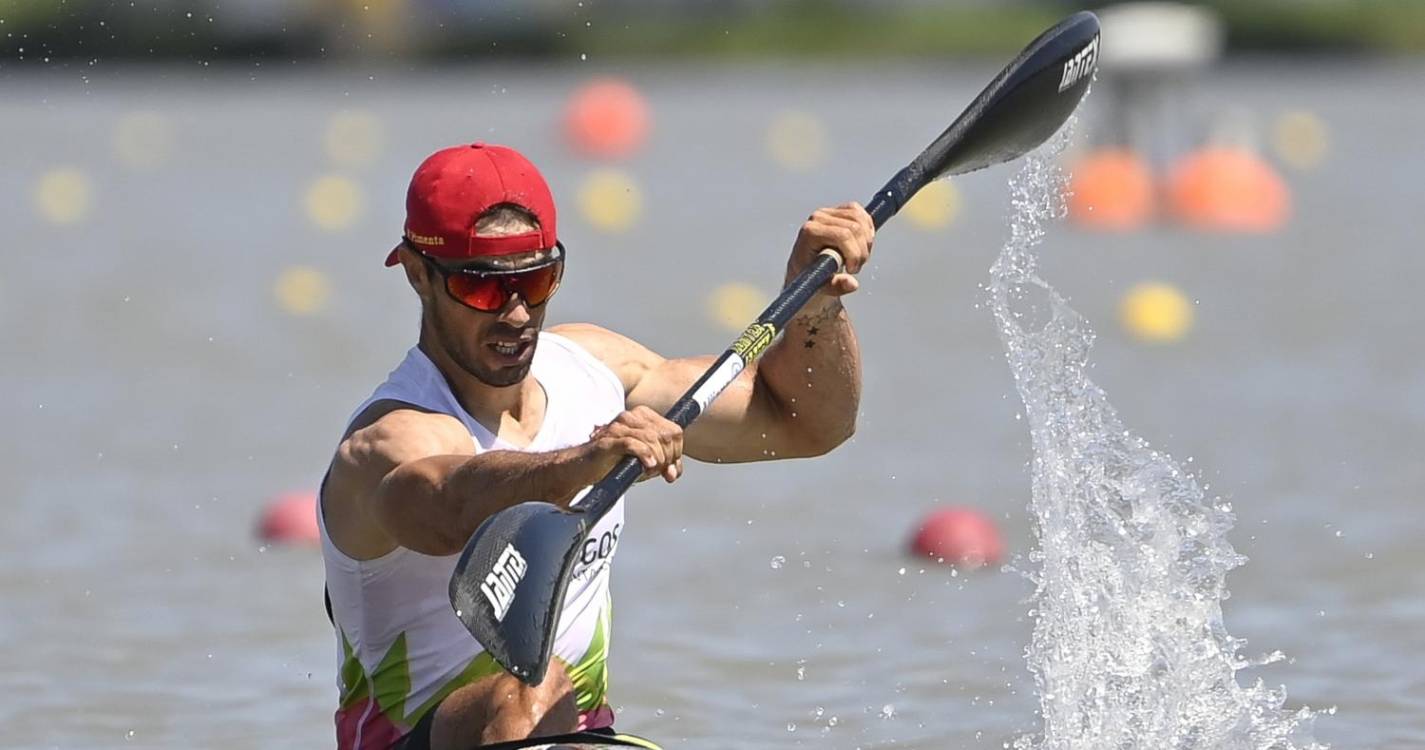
(741, 424)
(666, 381)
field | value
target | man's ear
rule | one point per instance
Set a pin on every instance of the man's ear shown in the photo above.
(417, 273)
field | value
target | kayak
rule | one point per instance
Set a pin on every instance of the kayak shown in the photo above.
(576, 741)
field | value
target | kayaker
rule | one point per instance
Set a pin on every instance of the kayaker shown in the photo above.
(488, 409)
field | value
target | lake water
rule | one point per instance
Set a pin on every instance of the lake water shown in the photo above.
(157, 395)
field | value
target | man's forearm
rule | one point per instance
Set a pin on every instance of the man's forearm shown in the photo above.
(435, 504)
(814, 374)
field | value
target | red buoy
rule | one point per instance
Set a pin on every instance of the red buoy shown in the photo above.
(290, 518)
(1228, 190)
(1112, 189)
(606, 118)
(958, 536)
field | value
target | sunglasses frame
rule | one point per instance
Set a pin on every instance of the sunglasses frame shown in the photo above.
(483, 272)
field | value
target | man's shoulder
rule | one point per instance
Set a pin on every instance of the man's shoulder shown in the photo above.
(628, 359)
(588, 336)
(388, 433)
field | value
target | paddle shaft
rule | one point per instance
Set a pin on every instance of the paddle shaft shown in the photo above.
(748, 346)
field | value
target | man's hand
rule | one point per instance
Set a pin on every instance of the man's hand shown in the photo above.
(644, 434)
(848, 230)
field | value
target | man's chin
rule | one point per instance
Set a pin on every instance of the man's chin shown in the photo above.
(503, 377)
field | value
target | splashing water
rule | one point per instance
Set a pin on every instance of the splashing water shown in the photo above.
(1129, 648)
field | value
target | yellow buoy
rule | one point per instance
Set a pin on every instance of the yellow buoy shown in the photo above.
(143, 140)
(354, 139)
(301, 290)
(934, 207)
(734, 305)
(333, 203)
(796, 141)
(1156, 312)
(63, 195)
(1300, 139)
(610, 200)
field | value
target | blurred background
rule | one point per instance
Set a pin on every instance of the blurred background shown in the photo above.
(199, 196)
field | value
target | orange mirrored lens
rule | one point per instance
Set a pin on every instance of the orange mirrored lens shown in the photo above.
(535, 286)
(483, 293)
(490, 293)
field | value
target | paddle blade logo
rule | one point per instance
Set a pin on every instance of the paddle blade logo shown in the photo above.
(499, 585)
(1079, 65)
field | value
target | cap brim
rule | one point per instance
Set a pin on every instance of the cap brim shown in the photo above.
(395, 257)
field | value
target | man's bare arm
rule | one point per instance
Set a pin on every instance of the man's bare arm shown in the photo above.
(801, 398)
(410, 478)
(797, 401)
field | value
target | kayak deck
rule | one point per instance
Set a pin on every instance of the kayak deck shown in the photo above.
(577, 741)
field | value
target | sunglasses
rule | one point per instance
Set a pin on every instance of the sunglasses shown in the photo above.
(489, 290)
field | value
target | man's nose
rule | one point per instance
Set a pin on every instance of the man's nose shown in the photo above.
(515, 312)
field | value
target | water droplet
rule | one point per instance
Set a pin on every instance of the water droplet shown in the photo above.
(888, 711)
(791, 726)
(778, 562)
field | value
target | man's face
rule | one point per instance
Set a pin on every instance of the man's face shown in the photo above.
(497, 347)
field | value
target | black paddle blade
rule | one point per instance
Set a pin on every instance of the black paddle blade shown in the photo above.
(509, 583)
(1025, 104)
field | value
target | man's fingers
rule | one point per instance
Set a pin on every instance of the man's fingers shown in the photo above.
(640, 450)
(673, 471)
(856, 218)
(843, 232)
(655, 441)
(673, 442)
(844, 283)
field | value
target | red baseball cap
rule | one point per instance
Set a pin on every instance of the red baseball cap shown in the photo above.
(454, 186)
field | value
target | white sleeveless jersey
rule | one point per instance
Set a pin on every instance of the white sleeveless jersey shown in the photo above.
(400, 646)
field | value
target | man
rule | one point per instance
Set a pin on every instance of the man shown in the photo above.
(489, 410)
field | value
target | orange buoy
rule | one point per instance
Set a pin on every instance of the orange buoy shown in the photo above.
(606, 118)
(958, 536)
(290, 518)
(1111, 189)
(1227, 189)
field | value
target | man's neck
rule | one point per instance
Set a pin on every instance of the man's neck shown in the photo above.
(490, 405)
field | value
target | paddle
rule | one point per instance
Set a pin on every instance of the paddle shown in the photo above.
(510, 580)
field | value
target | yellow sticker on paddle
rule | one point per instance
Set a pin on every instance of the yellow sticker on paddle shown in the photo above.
(754, 341)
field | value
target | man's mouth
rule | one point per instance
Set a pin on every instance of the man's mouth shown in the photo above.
(513, 349)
